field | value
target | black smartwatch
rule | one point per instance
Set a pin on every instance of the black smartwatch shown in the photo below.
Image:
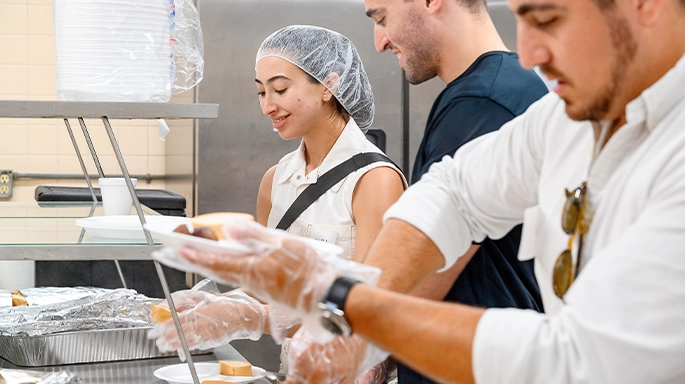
(333, 305)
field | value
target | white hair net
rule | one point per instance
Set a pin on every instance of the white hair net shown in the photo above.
(321, 52)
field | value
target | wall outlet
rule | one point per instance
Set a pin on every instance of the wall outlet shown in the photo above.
(5, 184)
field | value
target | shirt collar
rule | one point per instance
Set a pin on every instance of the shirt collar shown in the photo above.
(351, 140)
(659, 99)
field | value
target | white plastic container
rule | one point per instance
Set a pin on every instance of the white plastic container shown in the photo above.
(123, 50)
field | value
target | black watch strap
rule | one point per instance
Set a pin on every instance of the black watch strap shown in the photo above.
(338, 292)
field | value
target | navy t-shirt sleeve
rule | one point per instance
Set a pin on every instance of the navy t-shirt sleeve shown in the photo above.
(459, 122)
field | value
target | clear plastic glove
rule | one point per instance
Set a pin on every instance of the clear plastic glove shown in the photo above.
(289, 272)
(342, 360)
(375, 375)
(280, 323)
(210, 320)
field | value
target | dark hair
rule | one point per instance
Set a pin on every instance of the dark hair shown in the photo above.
(474, 6)
(338, 107)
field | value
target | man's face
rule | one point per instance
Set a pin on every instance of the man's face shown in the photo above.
(399, 27)
(587, 49)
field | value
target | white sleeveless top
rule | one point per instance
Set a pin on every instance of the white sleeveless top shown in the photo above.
(329, 218)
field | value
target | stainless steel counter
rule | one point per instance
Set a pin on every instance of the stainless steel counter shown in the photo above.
(135, 371)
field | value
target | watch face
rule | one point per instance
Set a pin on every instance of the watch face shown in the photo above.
(331, 326)
(333, 320)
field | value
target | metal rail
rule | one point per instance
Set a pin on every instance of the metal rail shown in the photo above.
(105, 111)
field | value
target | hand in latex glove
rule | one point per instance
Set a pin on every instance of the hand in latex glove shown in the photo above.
(209, 320)
(341, 360)
(282, 269)
(375, 375)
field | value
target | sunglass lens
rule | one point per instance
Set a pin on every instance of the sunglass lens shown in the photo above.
(570, 214)
(563, 273)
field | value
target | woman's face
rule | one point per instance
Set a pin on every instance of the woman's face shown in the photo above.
(287, 96)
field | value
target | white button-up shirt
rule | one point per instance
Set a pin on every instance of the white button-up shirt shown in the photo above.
(329, 218)
(623, 320)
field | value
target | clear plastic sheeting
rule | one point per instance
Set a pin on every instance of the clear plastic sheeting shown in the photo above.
(62, 377)
(56, 310)
(187, 46)
(126, 50)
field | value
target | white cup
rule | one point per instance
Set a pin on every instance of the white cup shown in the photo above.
(116, 199)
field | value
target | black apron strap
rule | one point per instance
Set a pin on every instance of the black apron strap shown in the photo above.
(326, 182)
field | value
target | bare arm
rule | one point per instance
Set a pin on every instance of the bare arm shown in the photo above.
(264, 196)
(441, 334)
(374, 193)
(263, 210)
(438, 285)
(405, 267)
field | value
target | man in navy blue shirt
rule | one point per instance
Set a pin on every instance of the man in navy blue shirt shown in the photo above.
(486, 87)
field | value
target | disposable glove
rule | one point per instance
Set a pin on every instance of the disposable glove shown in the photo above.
(280, 323)
(290, 273)
(342, 360)
(210, 320)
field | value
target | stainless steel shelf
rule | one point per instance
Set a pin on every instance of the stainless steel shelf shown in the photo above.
(104, 110)
(134, 371)
(111, 110)
(77, 252)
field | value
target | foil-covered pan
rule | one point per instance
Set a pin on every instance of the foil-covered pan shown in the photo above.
(77, 325)
(80, 347)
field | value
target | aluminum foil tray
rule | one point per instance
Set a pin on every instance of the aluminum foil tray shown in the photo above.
(81, 347)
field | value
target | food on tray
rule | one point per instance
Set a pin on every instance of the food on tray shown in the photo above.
(235, 368)
(215, 221)
(18, 299)
(209, 226)
(183, 229)
(206, 233)
(203, 232)
(160, 313)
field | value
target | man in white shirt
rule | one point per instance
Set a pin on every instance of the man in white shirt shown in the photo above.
(613, 134)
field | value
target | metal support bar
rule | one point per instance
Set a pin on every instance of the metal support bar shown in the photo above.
(102, 174)
(148, 237)
(83, 232)
(80, 160)
(85, 173)
(90, 146)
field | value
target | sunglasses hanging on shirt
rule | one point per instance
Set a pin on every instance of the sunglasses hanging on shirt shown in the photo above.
(572, 222)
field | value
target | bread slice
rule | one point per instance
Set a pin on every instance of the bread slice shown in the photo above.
(18, 299)
(160, 313)
(215, 221)
(235, 368)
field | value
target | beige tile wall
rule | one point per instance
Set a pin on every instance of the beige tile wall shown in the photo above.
(32, 146)
(27, 72)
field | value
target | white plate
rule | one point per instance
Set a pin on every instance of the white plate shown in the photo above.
(177, 241)
(180, 374)
(126, 227)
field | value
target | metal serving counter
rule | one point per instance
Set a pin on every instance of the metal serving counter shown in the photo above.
(66, 110)
(135, 371)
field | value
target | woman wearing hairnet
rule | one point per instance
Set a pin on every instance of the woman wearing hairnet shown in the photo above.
(312, 85)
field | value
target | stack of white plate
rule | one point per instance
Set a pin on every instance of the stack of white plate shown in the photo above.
(114, 50)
